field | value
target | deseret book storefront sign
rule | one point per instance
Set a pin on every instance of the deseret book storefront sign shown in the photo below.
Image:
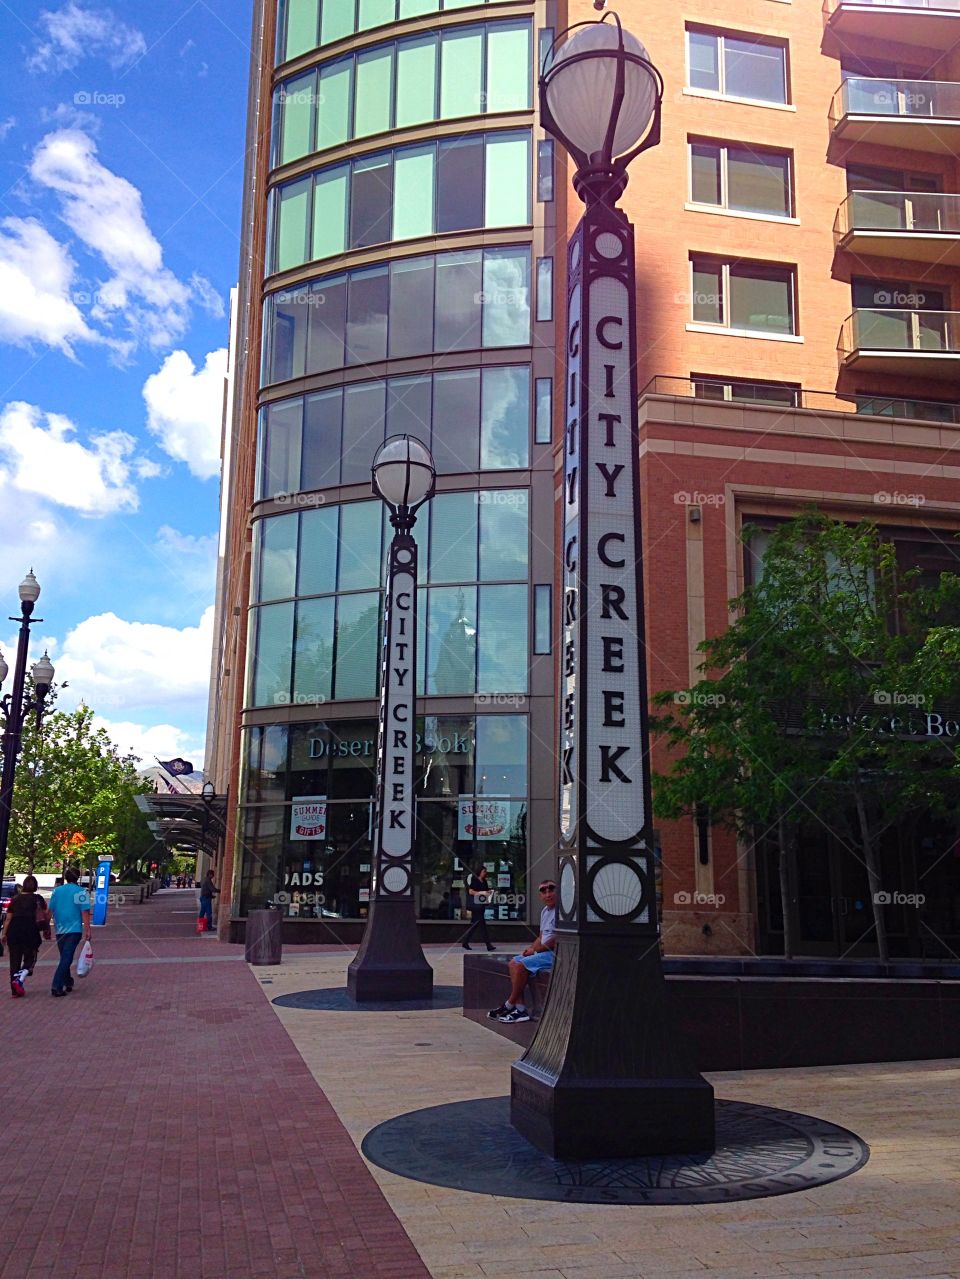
(308, 817)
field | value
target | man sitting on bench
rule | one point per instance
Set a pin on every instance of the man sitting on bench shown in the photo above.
(536, 958)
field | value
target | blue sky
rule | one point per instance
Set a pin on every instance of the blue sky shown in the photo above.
(122, 141)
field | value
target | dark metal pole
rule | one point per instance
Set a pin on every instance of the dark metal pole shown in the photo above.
(13, 730)
(390, 964)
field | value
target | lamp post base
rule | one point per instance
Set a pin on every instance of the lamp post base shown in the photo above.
(390, 966)
(607, 1077)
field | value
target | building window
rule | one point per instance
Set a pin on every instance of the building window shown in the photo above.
(749, 297)
(472, 419)
(544, 411)
(463, 71)
(414, 306)
(740, 391)
(544, 289)
(737, 66)
(545, 170)
(742, 179)
(542, 619)
(481, 180)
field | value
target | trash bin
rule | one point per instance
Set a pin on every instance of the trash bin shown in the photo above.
(263, 944)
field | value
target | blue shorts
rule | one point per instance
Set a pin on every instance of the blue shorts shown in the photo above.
(541, 962)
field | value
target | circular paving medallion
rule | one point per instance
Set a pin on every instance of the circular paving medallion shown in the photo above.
(471, 1145)
(337, 1000)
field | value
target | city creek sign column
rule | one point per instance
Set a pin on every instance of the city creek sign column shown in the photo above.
(606, 1074)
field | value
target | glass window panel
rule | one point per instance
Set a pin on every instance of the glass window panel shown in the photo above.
(301, 18)
(761, 299)
(281, 455)
(330, 212)
(371, 200)
(754, 70)
(456, 422)
(545, 170)
(321, 440)
(542, 619)
(363, 413)
(375, 13)
(501, 753)
(353, 774)
(758, 181)
(367, 316)
(292, 213)
(502, 648)
(458, 301)
(318, 551)
(408, 409)
(333, 104)
(704, 60)
(361, 526)
(545, 39)
(411, 307)
(452, 639)
(505, 419)
(297, 105)
(461, 72)
(705, 173)
(544, 289)
(416, 80)
(506, 296)
(414, 176)
(271, 675)
(336, 20)
(410, 8)
(707, 292)
(460, 184)
(358, 629)
(453, 537)
(286, 320)
(507, 180)
(278, 557)
(504, 534)
(508, 66)
(313, 652)
(543, 430)
(458, 4)
(374, 91)
(328, 304)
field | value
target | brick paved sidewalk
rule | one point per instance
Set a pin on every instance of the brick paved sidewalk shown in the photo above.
(159, 1123)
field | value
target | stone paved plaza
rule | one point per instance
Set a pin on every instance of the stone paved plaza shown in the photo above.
(168, 1120)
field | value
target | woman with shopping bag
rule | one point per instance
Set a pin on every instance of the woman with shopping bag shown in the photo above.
(27, 921)
(71, 906)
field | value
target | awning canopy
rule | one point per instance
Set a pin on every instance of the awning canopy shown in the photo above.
(189, 821)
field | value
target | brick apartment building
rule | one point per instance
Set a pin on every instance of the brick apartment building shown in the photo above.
(798, 239)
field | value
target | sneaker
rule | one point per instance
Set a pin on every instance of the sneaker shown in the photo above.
(513, 1015)
(21, 975)
(494, 1013)
(489, 948)
(465, 945)
(16, 989)
(58, 994)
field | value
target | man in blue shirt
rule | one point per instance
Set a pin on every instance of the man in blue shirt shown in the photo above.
(70, 906)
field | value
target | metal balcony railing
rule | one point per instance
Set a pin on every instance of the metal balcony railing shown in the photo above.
(917, 212)
(900, 99)
(900, 332)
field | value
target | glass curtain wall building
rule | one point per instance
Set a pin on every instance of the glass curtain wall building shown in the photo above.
(399, 279)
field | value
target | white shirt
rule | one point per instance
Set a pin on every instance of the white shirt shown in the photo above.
(548, 923)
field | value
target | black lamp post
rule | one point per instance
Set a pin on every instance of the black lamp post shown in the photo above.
(16, 708)
(390, 964)
(606, 1075)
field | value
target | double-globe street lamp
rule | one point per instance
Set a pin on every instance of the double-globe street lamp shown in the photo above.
(16, 707)
(606, 1075)
(390, 964)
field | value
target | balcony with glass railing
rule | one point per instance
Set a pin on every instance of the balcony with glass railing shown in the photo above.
(918, 115)
(930, 23)
(916, 226)
(913, 342)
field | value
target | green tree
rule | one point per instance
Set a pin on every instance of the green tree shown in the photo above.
(795, 720)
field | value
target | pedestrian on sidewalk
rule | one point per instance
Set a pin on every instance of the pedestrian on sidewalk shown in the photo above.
(71, 907)
(26, 921)
(207, 890)
(478, 897)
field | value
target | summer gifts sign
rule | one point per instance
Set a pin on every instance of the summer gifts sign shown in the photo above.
(483, 818)
(308, 817)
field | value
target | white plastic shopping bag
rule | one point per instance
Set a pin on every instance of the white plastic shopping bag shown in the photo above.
(85, 962)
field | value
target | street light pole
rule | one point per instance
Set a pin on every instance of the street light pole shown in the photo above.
(607, 1075)
(390, 964)
(16, 709)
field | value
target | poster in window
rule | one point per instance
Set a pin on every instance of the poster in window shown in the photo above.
(308, 817)
(483, 817)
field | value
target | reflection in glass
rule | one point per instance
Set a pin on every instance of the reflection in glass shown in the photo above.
(504, 535)
(505, 419)
(321, 439)
(360, 545)
(501, 755)
(451, 639)
(506, 291)
(453, 541)
(278, 557)
(456, 407)
(363, 414)
(313, 651)
(459, 285)
(271, 681)
(411, 306)
(502, 655)
(282, 430)
(358, 626)
(318, 550)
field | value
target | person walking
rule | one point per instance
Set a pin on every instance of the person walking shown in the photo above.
(70, 906)
(26, 919)
(208, 890)
(478, 896)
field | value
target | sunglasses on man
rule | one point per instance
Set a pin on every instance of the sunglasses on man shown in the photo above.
(548, 888)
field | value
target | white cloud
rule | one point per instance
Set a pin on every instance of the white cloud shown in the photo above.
(185, 410)
(152, 742)
(139, 666)
(193, 559)
(38, 300)
(73, 33)
(39, 455)
(106, 213)
(7, 125)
